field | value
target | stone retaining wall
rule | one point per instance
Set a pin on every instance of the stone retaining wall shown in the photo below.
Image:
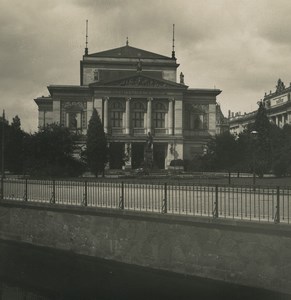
(245, 253)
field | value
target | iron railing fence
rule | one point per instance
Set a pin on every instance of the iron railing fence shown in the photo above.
(253, 203)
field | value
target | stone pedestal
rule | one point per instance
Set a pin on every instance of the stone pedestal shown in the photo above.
(148, 158)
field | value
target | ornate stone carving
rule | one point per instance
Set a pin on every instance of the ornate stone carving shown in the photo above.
(139, 66)
(74, 105)
(280, 86)
(140, 81)
(203, 108)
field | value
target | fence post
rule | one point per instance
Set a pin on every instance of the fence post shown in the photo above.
(277, 214)
(2, 188)
(165, 200)
(121, 199)
(53, 197)
(25, 190)
(215, 210)
(84, 202)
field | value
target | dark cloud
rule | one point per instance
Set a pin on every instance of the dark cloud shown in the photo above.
(239, 46)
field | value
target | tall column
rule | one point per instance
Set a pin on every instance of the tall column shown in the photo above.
(127, 112)
(277, 120)
(105, 124)
(170, 116)
(149, 115)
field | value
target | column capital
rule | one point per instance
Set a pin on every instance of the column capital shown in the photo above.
(128, 98)
(150, 98)
(172, 99)
(106, 98)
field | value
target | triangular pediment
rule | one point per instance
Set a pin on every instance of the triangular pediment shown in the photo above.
(128, 52)
(140, 81)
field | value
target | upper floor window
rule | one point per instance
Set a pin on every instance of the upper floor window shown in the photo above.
(116, 114)
(160, 111)
(138, 115)
(197, 117)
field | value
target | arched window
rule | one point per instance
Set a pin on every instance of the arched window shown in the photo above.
(197, 117)
(138, 111)
(116, 114)
(160, 111)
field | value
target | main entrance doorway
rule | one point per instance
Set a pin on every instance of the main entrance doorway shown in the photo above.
(116, 152)
(159, 155)
(137, 155)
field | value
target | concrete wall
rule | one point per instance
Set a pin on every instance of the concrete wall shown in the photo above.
(240, 252)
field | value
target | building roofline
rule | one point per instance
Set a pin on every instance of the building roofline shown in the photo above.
(215, 92)
(128, 52)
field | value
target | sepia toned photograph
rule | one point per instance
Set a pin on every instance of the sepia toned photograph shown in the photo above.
(145, 149)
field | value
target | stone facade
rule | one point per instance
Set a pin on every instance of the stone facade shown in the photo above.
(278, 108)
(135, 92)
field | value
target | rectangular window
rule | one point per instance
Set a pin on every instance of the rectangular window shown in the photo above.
(138, 119)
(159, 119)
(116, 118)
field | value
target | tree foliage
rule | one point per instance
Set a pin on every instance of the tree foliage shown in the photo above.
(221, 153)
(13, 145)
(96, 146)
(281, 163)
(49, 152)
(262, 141)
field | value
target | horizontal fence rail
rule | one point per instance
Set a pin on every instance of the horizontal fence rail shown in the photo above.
(253, 203)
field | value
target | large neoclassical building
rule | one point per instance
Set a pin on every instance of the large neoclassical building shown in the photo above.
(278, 109)
(135, 92)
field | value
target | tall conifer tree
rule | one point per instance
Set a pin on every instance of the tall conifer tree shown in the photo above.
(262, 141)
(96, 150)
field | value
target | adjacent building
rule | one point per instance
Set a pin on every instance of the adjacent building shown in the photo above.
(278, 108)
(136, 92)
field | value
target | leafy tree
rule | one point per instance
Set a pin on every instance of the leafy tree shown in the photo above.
(221, 153)
(13, 145)
(244, 152)
(262, 142)
(96, 145)
(281, 139)
(49, 152)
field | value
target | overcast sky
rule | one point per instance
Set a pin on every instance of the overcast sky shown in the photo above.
(239, 46)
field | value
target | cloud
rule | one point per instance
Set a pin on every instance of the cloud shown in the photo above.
(239, 46)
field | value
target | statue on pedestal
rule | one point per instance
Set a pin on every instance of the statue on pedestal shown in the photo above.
(148, 153)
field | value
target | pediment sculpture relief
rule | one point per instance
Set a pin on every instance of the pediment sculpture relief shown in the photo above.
(73, 105)
(140, 81)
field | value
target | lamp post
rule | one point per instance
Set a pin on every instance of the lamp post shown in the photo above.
(254, 134)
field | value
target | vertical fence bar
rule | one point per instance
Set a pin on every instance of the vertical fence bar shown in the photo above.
(2, 188)
(121, 199)
(25, 190)
(215, 210)
(277, 215)
(85, 195)
(53, 197)
(165, 200)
